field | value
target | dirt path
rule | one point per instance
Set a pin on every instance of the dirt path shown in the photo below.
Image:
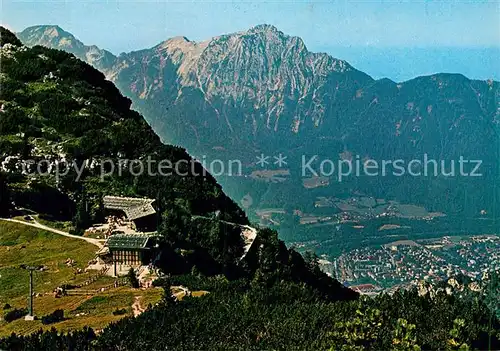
(136, 306)
(38, 225)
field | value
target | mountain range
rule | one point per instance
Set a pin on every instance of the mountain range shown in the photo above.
(262, 92)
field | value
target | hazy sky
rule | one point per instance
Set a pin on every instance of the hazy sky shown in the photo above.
(354, 29)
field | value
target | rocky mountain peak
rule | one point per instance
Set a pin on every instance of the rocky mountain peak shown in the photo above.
(48, 28)
(261, 66)
(262, 90)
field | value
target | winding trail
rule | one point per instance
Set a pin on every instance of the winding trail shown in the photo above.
(38, 225)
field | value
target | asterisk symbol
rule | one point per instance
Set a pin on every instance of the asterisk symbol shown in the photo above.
(262, 160)
(280, 160)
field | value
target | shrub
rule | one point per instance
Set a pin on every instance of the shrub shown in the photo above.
(15, 314)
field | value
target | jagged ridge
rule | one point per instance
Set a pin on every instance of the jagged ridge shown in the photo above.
(263, 90)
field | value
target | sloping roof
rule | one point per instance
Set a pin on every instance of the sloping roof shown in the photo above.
(134, 208)
(128, 241)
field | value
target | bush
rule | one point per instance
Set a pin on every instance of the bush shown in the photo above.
(15, 314)
(119, 312)
(54, 317)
